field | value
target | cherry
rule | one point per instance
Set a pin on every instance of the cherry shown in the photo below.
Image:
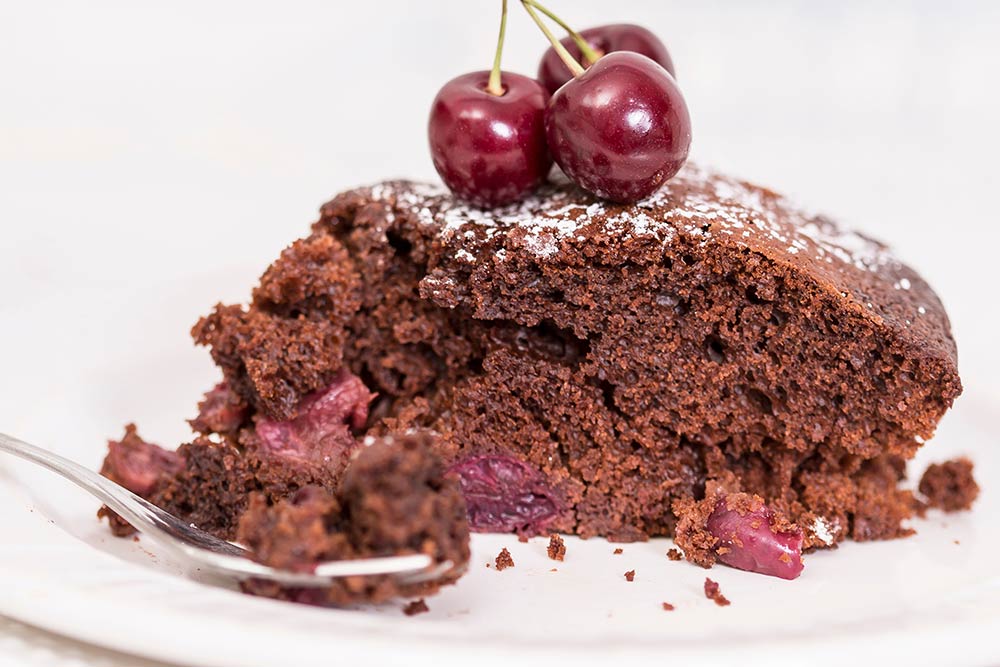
(490, 149)
(487, 134)
(619, 129)
(749, 538)
(504, 494)
(553, 73)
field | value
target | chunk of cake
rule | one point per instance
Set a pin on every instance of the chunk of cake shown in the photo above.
(592, 368)
(393, 500)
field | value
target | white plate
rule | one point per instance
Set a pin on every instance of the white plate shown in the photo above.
(124, 355)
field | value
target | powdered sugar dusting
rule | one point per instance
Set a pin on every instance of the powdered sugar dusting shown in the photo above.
(699, 204)
(825, 530)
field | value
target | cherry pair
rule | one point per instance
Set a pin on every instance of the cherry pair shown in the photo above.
(619, 128)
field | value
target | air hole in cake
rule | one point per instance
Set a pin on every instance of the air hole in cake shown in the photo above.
(753, 297)
(608, 394)
(760, 400)
(380, 408)
(688, 259)
(545, 340)
(715, 349)
(476, 365)
(667, 299)
(400, 245)
(778, 318)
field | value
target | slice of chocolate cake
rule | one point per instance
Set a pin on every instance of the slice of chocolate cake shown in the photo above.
(592, 368)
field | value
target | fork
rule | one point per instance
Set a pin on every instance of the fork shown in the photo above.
(206, 554)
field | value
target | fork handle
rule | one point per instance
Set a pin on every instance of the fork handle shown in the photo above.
(113, 495)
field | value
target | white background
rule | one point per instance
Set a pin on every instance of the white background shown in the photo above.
(178, 139)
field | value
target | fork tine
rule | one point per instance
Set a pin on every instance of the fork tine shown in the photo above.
(382, 565)
(431, 573)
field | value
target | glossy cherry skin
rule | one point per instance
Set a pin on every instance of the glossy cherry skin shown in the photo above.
(490, 149)
(621, 128)
(553, 73)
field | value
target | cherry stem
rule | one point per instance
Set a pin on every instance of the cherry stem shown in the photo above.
(574, 67)
(590, 54)
(495, 85)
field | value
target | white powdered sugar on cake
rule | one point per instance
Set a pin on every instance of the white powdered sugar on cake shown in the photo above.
(697, 203)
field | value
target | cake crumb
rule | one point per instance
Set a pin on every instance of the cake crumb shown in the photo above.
(630, 575)
(504, 560)
(416, 607)
(618, 551)
(555, 569)
(949, 486)
(674, 554)
(712, 592)
(522, 538)
(667, 606)
(557, 548)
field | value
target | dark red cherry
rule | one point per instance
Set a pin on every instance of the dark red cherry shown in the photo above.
(553, 73)
(490, 149)
(621, 128)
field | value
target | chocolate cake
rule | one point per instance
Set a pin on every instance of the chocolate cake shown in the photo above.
(557, 547)
(588, 368)
(714, 593)
(504, 560)
(949, 486)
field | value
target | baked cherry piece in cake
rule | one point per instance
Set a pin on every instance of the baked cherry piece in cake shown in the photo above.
(740, 530)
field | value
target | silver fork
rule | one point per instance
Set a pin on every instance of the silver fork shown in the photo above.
(207, 554)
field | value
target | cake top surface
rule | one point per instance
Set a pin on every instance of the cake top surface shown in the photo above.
(698, 206)
(697, 201)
